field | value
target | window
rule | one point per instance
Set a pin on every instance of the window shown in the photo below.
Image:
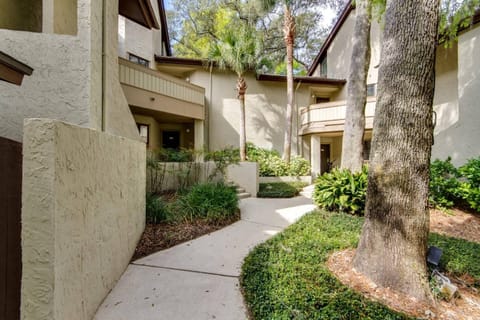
(143, 131)
(321, 99)
(136, 59)
(323, 68)
(372, 90)
(367, 145)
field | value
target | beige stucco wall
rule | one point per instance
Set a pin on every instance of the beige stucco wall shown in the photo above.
(67, 80)
(265, 110)
(458, 130)
(245, 175)
(83, 213)
(135, 39)
(340, 52)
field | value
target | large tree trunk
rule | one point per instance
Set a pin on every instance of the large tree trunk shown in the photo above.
(289, 33)
(352, 149)
(392, 248)
(242, 89)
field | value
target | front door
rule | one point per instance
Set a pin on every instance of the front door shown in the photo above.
(171, 140)
(325, 158)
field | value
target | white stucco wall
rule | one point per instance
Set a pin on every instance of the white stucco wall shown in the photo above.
(135, 39)
(265, 110)
(83, 213)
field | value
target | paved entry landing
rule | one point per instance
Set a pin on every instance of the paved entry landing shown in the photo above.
(199, 279)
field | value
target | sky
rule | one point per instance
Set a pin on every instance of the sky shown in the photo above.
(167, 4)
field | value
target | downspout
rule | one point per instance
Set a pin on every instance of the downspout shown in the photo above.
(299, 140)
(104, 62)
(207, 110)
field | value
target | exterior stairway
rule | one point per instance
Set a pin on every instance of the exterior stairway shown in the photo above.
(241, 193)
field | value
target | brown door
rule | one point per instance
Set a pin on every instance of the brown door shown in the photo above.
(10, 212)
(325, 158)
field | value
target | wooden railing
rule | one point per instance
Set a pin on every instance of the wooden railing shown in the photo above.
(147, 79)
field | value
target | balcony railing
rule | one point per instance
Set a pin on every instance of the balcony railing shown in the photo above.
(330, 117)
(137, 76)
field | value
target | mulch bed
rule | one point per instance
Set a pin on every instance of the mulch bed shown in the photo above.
(162, 236)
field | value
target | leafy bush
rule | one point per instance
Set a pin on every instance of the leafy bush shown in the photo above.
(341, 190)
(271, 163)
(222, 159)
(172, 155)
(210, 201)
(280, 189)
(156, 209)
(470, 186)
(444, 184)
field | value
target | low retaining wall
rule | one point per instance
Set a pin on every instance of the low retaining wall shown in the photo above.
(83, 214)
(245, 174)
(305, 179)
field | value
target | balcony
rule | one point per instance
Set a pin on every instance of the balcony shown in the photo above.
(149, 89)
(330, 117)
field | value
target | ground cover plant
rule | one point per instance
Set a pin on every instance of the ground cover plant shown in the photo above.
(176, 217)
(280, 189)
(287, 277)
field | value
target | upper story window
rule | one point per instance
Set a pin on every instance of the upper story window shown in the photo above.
(136, 59)
(321, 100)
(143, 131)
(323, 68)
(372, 90)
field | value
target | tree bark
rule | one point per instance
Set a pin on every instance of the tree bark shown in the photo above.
(289, 33)
(242, 89)
(393, 244)
(352, 147)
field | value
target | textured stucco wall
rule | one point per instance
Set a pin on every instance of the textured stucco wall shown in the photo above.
(83, 213)
(65, 12)
(118, 118)
(59, 86)
(135, 39)
(246, 175)
(265, 110)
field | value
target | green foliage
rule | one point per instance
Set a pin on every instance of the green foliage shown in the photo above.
(444, 184)
(222, 159)
(156, 209)
(280, 189)
(271, 164)
(455, 16)
(211, 201)
(470, 183)
(459, 257)
(342, 190)
(286, 277)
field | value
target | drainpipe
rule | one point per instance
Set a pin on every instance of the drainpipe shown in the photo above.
(207, 110)
(299, 140)
(104, 62)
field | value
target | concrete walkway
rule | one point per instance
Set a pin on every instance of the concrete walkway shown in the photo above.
(199, 279)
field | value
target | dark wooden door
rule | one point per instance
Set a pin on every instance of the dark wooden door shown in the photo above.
(171, 140)
(10, 227)
(325, 158)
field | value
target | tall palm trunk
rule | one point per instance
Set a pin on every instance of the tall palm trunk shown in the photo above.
(352, 147)
(392, 248)
(242, 89)
(289, 33)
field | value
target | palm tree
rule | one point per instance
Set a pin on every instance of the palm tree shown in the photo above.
(237, 50)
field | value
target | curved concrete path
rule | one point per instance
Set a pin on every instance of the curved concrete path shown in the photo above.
(199, 279)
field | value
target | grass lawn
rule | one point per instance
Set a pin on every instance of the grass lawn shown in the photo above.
(280, 189)
(286, 277)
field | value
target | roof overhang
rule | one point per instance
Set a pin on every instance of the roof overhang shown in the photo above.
(305, 80)
(140, 11)
(12, 70)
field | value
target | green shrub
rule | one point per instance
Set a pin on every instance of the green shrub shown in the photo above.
(470, 185)
(271, 163)
(210, 201)
(156, 209)
(222, 159)
(172, 155)
(280, 189)
(444, 184)
(341, 190)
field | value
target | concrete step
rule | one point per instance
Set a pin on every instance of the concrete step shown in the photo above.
(243, 195)
(240, 190)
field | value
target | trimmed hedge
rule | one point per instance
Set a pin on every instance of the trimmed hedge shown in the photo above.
(280, 189)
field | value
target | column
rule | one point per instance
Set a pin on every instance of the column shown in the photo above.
(199, 143)
(315, 155)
